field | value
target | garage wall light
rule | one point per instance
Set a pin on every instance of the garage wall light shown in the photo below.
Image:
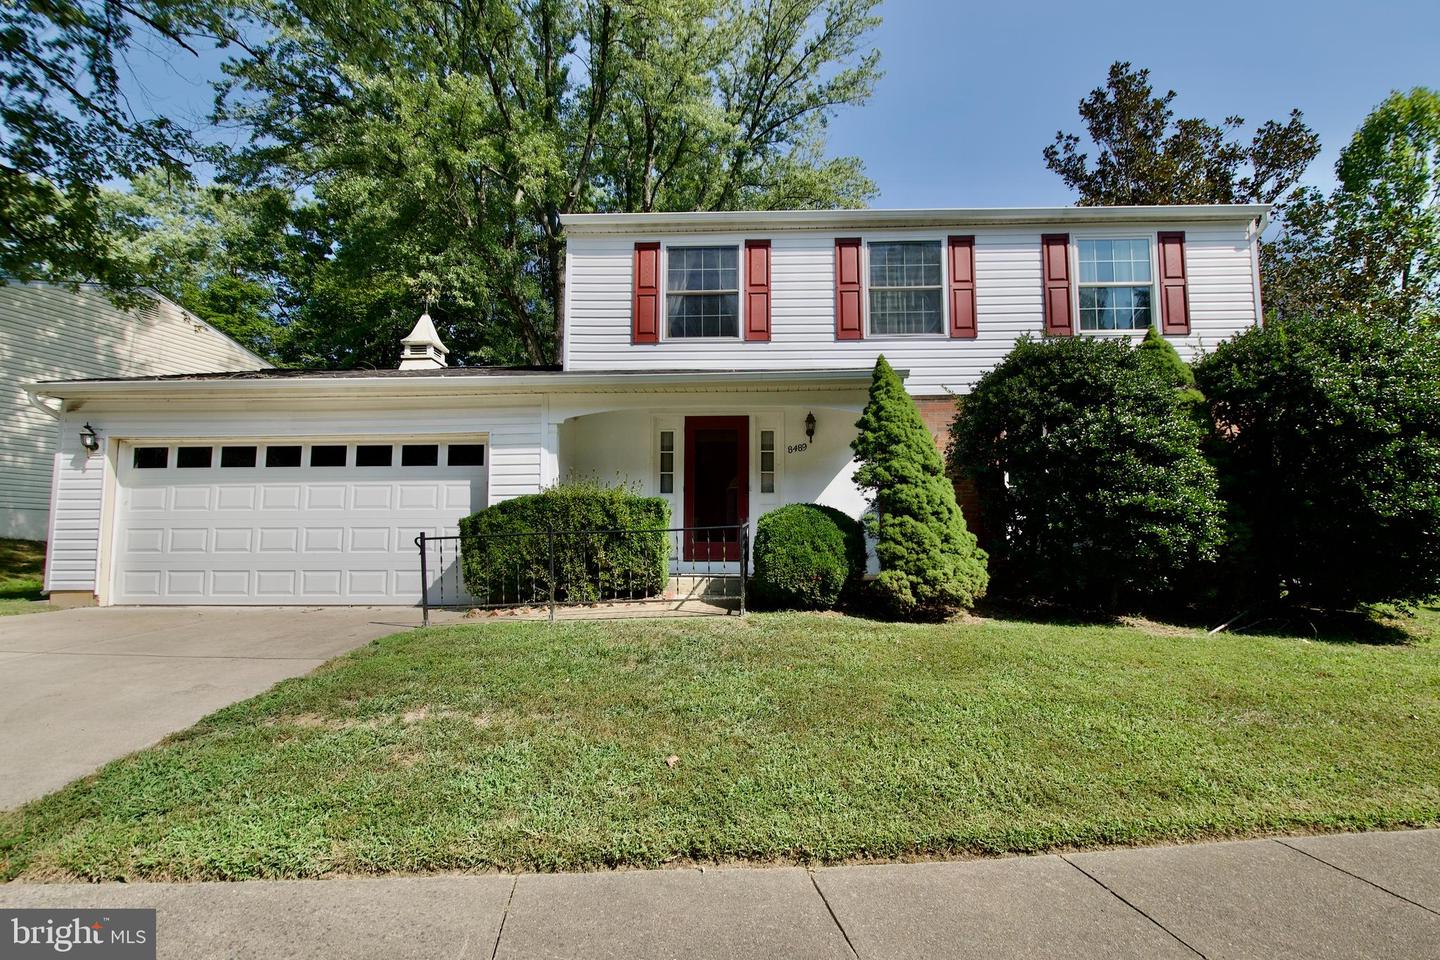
(809, 426)
(88, 439)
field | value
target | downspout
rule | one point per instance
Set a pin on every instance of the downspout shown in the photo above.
(54, 413)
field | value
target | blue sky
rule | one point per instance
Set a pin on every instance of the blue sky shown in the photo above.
(973, 92)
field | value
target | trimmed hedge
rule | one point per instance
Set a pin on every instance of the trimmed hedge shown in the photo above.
(1328, 442)
(505, 548)
(806, 556)
(1089, 468)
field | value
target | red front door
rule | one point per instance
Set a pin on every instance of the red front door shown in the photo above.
(717, 485)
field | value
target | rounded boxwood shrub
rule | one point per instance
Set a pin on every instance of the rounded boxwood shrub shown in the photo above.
(505, 548)
(806, 556)
(1328, 442)
(1090, 472)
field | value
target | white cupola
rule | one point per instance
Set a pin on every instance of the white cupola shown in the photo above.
(422, 349)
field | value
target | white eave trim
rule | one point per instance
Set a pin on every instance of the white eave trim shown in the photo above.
(455, 386)
(730, 221)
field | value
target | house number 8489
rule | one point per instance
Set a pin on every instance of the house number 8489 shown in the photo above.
(797, 448)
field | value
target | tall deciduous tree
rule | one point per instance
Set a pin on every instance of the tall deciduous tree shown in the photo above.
(1144, 154)
(444, 140)
(66, 127)
(1373, 245)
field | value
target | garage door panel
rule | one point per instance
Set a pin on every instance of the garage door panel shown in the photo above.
(283, 534)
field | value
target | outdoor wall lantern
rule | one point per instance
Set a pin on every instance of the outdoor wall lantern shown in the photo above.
(809, 426)
(88, 439)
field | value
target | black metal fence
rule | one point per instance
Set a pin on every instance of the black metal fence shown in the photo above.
(702, 567)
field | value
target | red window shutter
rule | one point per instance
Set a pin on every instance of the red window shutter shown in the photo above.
(1055, 252)
(757, 290)
(962, 287)
(1174, 292)
(848, 316)
(645, 300)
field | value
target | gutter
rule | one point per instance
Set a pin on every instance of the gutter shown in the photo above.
(455, 386)
(603, 223)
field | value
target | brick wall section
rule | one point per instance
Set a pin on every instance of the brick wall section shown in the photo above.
(937, 412)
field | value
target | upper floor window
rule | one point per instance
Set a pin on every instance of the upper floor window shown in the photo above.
(702, 292)
(905, 288)
(1115, 284)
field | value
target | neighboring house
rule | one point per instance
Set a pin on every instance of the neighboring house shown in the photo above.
(719, 360)
(55, 332)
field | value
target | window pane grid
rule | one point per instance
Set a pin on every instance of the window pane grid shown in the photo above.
(767, 461)
(1115, 284)
(702, 292)
(667, 461)
(905, 294)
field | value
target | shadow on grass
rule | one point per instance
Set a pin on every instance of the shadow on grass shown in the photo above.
(22, 564)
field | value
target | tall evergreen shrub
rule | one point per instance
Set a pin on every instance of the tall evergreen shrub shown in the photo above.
(1089, 469)
(1328, 439)
(929, 561)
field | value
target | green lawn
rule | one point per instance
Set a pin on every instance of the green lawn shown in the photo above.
(811, 738)
(22, 567)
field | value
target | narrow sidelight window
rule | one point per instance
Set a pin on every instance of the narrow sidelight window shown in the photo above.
(767, 461)
(667, 461)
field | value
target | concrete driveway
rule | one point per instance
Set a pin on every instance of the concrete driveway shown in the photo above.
(79, 688)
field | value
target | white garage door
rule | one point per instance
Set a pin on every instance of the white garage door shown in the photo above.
(256, 522)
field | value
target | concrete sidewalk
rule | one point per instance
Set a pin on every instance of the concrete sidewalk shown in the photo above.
(1356, 895)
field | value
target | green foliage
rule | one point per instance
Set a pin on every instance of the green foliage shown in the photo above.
(1373, 246)
(1329, 438)
(1163, 359)
(806, 556)
(442, 143)
(1144, 155)
(929, 562)
(1084, 454)
(505, 549)
(66, 127)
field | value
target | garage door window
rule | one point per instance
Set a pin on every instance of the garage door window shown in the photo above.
(328, 455)
(288, 456)
(193, 458)
(152, 458)
(237, 456)
(419, 455)
(466, 455)
(374, 455)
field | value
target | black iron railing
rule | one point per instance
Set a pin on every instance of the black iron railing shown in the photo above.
(703, 567)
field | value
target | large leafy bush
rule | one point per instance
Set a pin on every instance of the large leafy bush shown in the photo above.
(1328, 439)
(1089, 471)
(609, 543)
(806, 556)
(929, 562)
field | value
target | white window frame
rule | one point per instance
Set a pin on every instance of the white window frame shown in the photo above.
(771, 420)
(865, 241)
(689, 243)
(676, 496)
(1150, 236)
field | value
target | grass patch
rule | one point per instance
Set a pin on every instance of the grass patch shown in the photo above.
(799, 737)
(22, 569)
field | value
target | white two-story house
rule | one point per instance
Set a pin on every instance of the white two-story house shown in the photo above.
(719, 360)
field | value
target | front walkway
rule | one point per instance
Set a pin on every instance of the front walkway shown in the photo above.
(1352, 896)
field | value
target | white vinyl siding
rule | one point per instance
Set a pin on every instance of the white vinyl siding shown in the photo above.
(1007, 290)
(53, 333)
